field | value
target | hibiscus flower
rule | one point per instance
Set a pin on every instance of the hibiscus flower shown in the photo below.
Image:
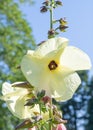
(52, 67)
(15, 99)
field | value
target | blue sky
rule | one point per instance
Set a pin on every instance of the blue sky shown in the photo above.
(80, 21)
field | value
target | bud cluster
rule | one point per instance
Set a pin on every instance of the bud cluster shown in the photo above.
(39, 119)
(46, 6)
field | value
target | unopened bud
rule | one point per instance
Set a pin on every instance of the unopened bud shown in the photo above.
(46, 3)
(46, 99)
(61, 127)
(62, 28)
(22, 85)
(63, 21)
(43, 9)
(57, 113)
(58, 120)
(58, 3)
(51, 33)
(25, 124)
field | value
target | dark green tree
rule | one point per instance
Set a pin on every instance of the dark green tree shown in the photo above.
(15, 39)
(89, 124)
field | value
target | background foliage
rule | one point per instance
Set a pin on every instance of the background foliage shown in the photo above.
(15, 38)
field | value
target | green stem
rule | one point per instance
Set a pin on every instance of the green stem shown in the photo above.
(40, 114)
(50, 115)
(51, 14)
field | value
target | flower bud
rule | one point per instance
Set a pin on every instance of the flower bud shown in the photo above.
(25, 124)
(58, 120)
(43, 9)
(22, 85)
(63, 22)
(62, 28)
(61, 127)
(46, 3)
(51, 33)
(46, 99)
(58, 3)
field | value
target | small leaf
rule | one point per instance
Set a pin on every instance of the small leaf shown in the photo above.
(41, 94)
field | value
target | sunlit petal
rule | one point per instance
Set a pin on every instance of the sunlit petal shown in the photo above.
(65, 87)
(34, 69)
(51, 45)
(16, 98)
(75, 59)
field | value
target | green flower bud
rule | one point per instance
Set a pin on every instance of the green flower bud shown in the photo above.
(58, 3)
(63, 22)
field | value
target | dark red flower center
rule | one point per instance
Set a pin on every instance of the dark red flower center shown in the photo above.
(52, 65)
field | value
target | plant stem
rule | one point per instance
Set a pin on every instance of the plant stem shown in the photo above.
(40, 114)
(51, 27)
(50, 115)
(51, 14)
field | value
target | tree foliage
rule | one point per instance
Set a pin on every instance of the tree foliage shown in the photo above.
(15, 39)
(89, 124)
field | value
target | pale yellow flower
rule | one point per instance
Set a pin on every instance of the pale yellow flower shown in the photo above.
(15, 99)
(52, 67)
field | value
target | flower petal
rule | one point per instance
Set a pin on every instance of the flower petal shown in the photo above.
(51, 45)
(30, 52)
(35, 70)
(8, 91)
(75, 59)
(15, 99)
(22, 111)
(65, 87)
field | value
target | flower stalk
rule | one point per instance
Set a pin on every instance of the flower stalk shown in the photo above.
(51, 14)
(50, 115)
